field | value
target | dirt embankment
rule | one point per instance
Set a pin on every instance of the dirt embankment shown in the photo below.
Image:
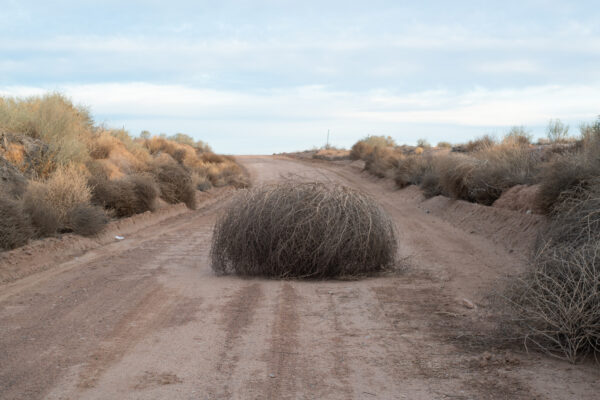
(145, 317)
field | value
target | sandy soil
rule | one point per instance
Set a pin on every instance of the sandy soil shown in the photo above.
(145, 317)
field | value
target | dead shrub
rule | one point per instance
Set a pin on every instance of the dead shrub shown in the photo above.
(557, 302)
(15, 227)
(125, 197)
(12, 181)
(430, 184)
(381, 161)
(454, 174)
(500, 168)
(212, 158)
(86, 220)
(561, 176)
(293, 229)
(201, 181)
(67, 188)
(175, 184)
(410, 170)
(44, 217)
(478, 144)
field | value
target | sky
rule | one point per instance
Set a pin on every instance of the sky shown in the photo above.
(258, 77)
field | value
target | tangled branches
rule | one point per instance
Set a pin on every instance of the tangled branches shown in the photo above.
(296, 229)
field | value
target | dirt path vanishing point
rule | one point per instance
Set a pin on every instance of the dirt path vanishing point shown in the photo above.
(145, 318)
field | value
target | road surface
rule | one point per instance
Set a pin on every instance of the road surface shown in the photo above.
(146, 318)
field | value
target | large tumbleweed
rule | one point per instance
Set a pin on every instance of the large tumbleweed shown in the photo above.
(297, 229)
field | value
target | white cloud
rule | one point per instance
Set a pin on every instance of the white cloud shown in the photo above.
(477, 107)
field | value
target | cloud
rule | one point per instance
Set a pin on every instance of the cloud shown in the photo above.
(480, 106)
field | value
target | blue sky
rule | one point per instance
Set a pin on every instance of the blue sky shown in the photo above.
(270, 76)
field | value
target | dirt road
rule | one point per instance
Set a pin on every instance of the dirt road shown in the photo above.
(145, 318)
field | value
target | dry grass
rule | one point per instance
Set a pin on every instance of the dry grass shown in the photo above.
(53, 119)
(332, 154)
(304, 230)
(67, 188)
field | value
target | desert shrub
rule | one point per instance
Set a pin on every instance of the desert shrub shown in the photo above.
(53, 119)
(430, 184)
(364, 147)
(183, 139)
(381, 161)
(499, 168)
(561, 176)
(227, 173)
(444, 145)
(15, 227)
(212, 158)
(125, 197)
(423, 143)
(86, 220)
(303, 230)
(36, 204)
(557, 131)
(359, 150)
(410, 170)
(201, 181)
(479, 144)
(518, 135)
(454, 173)
(12, 181)
(67, 188)
(558, 300)
(175, 184)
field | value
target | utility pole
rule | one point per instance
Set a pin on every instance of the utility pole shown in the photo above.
(327, 146)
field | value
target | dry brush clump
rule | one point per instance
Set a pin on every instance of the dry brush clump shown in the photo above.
(15, 226)
(175, 184)
(51, 151)
(307, 230)
(557, 301)
(133, 194)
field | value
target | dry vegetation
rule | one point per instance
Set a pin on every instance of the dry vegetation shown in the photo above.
(62, 173)
(304, 230)
(556, 303)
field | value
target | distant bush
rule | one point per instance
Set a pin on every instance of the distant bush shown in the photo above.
(175, 184)
(364, 147)
(15, 227)
(307, 230)
(557, 131)
(444, 145)
(479, 144)
(423, 143)
(381, 160)
(518, 135)
(410, 170)
(559, 178)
